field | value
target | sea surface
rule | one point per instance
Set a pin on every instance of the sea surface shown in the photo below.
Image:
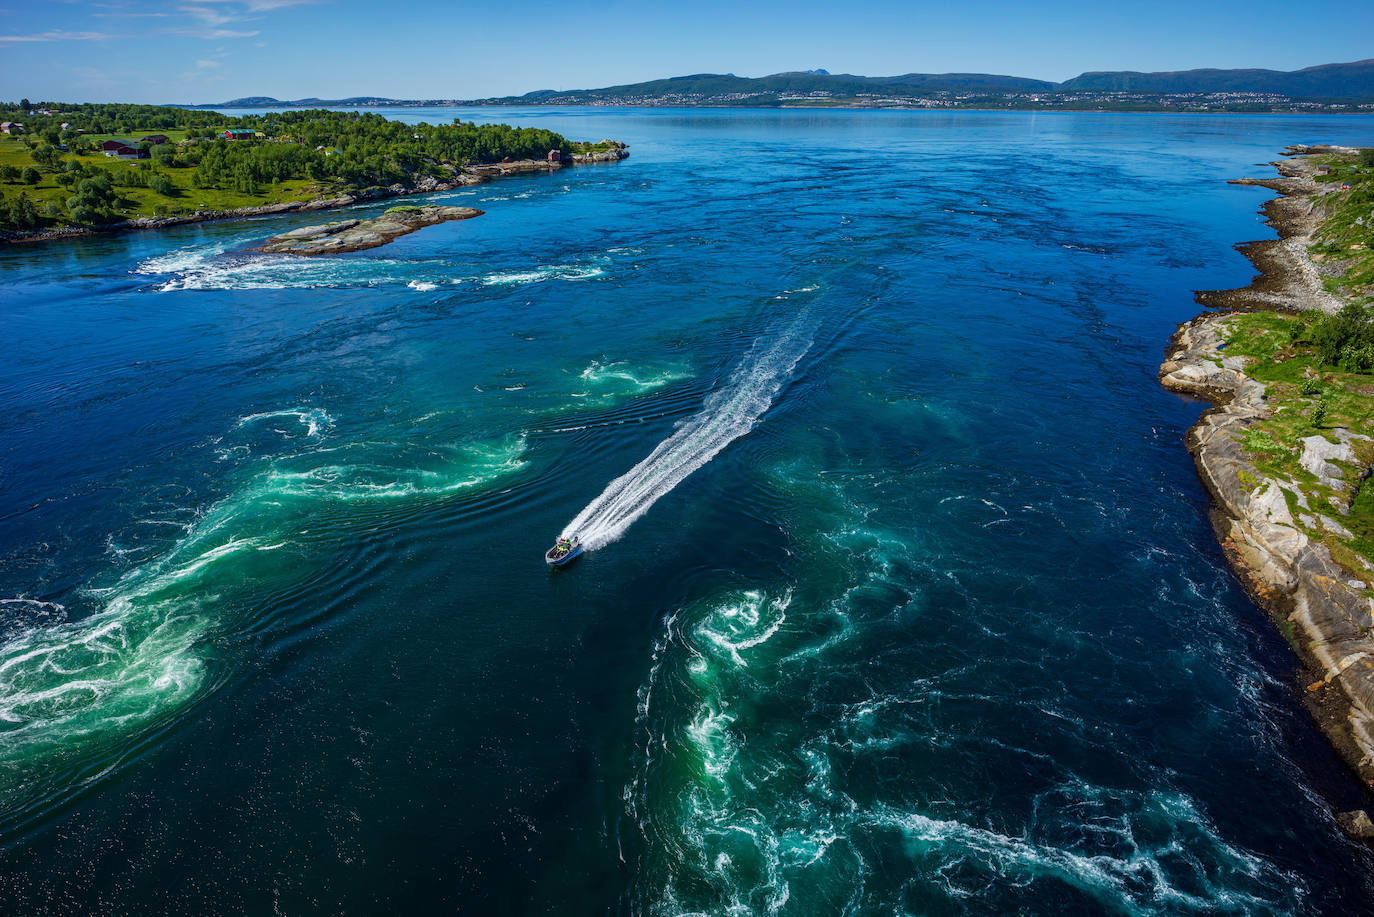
(901, 597)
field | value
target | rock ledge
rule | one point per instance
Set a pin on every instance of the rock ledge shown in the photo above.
(357, 235)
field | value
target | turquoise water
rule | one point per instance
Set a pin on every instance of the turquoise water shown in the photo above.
(901, 598)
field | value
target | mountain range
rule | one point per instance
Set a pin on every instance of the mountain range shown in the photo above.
(1347, 81)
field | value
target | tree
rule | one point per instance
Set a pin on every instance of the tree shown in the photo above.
(24, 104)
(46, 155)
(9, 174)
(162, 185)
(94, 202)
(22, 213)
(30, 175)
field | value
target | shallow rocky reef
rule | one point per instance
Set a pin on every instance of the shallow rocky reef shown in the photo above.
(357, 235)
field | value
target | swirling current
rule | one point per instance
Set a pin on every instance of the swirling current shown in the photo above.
(902, 596)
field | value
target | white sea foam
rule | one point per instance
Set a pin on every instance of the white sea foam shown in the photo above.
(605, 383)
(315, 420)
(213, 267)
(728, 414)
(188, 258)
(422, 286)
(572, 272)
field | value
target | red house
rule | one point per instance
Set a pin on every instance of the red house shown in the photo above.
(124, 149)
(240, 135)
(154, 139)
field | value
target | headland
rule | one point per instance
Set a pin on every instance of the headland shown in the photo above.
(1287, 450)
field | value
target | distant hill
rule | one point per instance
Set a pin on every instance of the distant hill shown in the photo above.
(269, 102)
(1327, 82)
(716, 84)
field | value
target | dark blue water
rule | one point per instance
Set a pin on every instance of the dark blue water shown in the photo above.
(904, 598)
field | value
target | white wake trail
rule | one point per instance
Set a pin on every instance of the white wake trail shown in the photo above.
(728, 414)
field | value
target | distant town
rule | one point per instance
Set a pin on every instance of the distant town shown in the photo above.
(1328, 88)
(1066, 101)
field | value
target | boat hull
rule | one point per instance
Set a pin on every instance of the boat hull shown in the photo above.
(575, 552)
(553, 561)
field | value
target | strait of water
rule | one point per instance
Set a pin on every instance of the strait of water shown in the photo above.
(902, 596)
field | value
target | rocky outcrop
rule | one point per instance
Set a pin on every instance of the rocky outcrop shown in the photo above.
(357, 235)
(1268, 528)
(616, 152)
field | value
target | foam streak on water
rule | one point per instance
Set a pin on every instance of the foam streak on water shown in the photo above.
(728, 414)
(84, 690)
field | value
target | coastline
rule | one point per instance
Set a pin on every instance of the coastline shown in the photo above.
(471, 175)
(1276, 540)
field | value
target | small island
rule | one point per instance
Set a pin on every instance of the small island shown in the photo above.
(1287, 451)
(356, 235)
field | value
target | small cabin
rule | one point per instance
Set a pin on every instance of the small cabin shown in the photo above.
(154, 139)
(11, 127)
(240, 135)
(555, 155)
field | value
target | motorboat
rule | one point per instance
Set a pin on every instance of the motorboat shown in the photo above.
(563, 550)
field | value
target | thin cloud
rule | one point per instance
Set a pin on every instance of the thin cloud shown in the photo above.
(59, 35)
(211, 34)
(259, 6)
(208, 20)
(208, 15)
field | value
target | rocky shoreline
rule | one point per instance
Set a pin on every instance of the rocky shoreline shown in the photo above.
(472, 175)
(1268, 528)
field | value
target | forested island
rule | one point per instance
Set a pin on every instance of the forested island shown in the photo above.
(70, 168)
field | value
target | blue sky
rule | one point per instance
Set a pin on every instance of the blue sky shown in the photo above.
(212, 50)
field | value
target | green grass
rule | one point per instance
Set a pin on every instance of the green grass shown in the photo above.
(1295, 383)
(1347, 230)
(143, 202)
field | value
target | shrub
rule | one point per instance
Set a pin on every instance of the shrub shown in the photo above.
(30, 175)
(1319, 412)
(1346, 339)
(1357, 358)
(1262, 441)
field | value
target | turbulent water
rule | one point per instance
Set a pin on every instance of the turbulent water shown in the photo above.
(906, 604)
